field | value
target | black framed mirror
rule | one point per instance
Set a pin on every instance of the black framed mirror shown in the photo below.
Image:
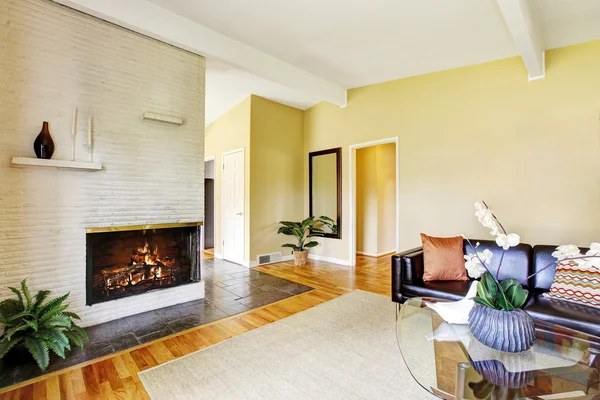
(325, 187)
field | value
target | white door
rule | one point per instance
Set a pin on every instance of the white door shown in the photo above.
(233, 206)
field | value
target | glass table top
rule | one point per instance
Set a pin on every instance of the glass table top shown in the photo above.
(447, 361)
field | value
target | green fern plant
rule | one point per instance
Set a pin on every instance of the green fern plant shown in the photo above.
(40, 326)
(303, 231)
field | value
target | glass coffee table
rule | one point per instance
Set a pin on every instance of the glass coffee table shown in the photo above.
(448, 362)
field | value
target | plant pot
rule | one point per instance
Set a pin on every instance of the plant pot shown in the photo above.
(494, 371)
(300, 257)
(510, 331)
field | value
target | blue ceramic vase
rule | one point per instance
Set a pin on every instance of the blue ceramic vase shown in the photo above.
(509, 331)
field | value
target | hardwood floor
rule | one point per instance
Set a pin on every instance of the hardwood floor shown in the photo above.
(115, 376)
(208, 253)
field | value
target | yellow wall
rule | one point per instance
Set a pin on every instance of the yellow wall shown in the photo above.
(531, 149)
(276, 183)
(376, 199)
(271, 135)
(386, 199)
(366, 200)
(230, 132)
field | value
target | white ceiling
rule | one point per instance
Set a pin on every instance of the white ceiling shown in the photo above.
(357, 42)
(227, 85)
(567, 22)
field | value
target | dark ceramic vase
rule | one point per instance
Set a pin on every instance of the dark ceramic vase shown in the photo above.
(510, 331)
(494, 371)
(43, 144)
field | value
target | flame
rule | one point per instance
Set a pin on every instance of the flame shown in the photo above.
(151, 256)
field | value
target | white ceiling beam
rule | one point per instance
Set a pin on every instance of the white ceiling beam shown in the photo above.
(154, 21)
(525, 33)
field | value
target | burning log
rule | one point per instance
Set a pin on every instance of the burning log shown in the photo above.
(146, 269)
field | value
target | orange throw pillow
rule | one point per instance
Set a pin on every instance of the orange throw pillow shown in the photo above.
(443, 258)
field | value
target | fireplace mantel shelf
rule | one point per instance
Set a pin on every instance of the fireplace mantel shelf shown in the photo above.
(67, 164)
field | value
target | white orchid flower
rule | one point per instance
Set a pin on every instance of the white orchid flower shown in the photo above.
(566, 251)
(593, 261)
(508, 241)
(583, 262)
(485, 217)
(594, 250)
(473, 264)
(486, 256)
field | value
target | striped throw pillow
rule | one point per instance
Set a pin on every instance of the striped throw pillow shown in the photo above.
(575, 283)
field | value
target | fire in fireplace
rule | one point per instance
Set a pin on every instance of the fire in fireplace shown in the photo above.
(127, 261)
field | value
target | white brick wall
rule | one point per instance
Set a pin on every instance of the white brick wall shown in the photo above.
(51, 60)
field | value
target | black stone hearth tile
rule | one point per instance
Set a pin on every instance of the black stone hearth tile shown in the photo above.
(234, 309)
(193, 303)
(235, 281)
(293, 288)
(263, 299)
(244, 290)
(195, 320)
(243, 273)
(17, 366)
(207, 311)
(264, 279)
(124, 342)
(219, 293)
(268, 288)
(108, 330)
(146, 323)
(209, 283)
(155, 335)
(181, 310)
(230, 307)
(90, 351)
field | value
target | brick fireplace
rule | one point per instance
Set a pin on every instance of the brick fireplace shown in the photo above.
(153, 173)
(132, 260)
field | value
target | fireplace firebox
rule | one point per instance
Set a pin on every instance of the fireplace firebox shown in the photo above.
(127, 261)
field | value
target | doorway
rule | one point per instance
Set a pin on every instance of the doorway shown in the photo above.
(233, 206)
(209, 207)
(374, 194)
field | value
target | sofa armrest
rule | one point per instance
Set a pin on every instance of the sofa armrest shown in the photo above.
(406, 266)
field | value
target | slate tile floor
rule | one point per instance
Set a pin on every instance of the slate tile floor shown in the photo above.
(230, 289)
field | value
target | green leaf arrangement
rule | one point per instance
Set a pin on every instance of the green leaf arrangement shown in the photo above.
(507, 295)
(40, 326)
(303, 231)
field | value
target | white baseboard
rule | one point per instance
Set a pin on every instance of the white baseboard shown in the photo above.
(332, 260)
(284, 258)
(219, 256)
(385, 253)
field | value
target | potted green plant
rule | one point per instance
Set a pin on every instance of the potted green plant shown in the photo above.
(303, 232)
(38, 326)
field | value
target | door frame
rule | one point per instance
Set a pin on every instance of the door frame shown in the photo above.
(243, 151)
(352, 193)
(203, 229)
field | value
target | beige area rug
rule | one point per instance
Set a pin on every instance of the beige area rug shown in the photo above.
(345, 349)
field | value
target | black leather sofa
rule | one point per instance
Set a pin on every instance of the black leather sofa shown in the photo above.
(519, 262)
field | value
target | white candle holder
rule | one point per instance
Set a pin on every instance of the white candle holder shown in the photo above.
(90, 149)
